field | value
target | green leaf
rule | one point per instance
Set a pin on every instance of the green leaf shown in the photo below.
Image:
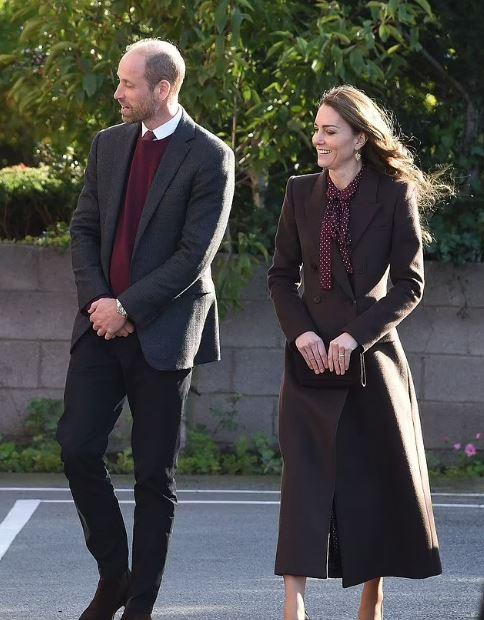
(31, 28)
(220, 53)
(7, 59)
(237, 18)
(404, 15)
(395, 33)
(414, 42)
(221, 15)
(425, 6)
(393, 49)
(275, 48)
(246, 4)
(328, 19)
(58, 48)
(356, 61)
(338, 61)
(342, 38)
(392, 7)
(89, 84)
(337, 56)
(383, 32)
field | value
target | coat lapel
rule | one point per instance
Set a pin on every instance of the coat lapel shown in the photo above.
(175, 153)
(314, 213)
(364, 206)
(123, 146)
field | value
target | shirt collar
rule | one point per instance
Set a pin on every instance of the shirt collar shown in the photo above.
(165, 130)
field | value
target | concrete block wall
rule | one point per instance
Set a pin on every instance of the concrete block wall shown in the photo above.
(443, 338)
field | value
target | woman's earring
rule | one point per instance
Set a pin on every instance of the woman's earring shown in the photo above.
(357, 155)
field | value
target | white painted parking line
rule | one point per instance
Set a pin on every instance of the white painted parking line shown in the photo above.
(241, 502)
(458, 494)
(228, 491)
(130, 490)
(187, 501)
(15, 520)
(458, 505)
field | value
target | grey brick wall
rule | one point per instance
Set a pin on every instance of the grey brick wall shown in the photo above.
(444, 340)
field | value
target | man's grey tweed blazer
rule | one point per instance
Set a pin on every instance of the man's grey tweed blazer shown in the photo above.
(171, 299)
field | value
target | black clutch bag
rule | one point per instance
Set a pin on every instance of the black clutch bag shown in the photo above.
(355, 376)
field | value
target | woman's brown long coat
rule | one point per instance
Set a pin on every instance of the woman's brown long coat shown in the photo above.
(355, 496)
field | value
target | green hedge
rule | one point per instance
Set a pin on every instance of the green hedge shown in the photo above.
(34, 199)
(36, 205)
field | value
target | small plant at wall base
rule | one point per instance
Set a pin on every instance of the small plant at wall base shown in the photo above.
(56, 236)
(203, 456)
(227, 419)
(467, 461)
(39, 451)
(259, 455)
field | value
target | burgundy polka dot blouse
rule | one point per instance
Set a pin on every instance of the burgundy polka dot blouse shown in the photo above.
(335, 226)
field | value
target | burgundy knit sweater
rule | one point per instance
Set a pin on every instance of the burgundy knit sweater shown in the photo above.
(146, 159)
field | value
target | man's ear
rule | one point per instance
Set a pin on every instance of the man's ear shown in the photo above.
(163, 89)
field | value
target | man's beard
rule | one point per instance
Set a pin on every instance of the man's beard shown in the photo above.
(142, 112)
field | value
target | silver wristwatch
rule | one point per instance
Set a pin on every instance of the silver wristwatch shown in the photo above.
(120, 310)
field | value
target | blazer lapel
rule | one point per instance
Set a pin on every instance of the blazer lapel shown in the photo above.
(123, 146)
(364, 206)
(175, 153)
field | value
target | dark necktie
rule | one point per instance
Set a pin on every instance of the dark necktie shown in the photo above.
(149, 136)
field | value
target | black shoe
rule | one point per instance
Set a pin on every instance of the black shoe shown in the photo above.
(111, 595)
(135, 615)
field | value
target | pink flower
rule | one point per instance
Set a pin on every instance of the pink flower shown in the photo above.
(470, 450)
(478, 435)
(457, 446)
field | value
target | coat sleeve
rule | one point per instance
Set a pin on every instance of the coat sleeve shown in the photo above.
(406, 275)
(284, 275)
(85, 233)
(206, 219)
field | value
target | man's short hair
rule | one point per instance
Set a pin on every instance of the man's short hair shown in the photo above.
(163, 62)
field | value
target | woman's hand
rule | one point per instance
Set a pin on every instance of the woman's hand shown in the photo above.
(339, 353)
(313, 350)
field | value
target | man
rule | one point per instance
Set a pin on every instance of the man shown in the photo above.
(150, 218)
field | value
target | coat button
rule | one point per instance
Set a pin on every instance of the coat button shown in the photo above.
(314, 267)
(317, 299)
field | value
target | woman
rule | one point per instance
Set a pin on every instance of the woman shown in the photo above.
(355, 499)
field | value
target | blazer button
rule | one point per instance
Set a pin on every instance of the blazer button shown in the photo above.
(354, 302)
(317, 299)
(314, 267)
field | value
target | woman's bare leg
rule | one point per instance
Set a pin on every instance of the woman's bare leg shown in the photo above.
(294, 597)
(371, 604)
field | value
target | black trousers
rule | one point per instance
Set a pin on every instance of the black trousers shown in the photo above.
(101, 373)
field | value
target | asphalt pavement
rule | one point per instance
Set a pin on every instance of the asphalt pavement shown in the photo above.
(221, 557)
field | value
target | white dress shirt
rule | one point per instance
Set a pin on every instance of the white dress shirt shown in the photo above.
(165, 130)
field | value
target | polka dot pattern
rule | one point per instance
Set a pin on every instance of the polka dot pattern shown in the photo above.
(336, 222)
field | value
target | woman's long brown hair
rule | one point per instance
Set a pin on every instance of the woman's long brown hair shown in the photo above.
(384, 149)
